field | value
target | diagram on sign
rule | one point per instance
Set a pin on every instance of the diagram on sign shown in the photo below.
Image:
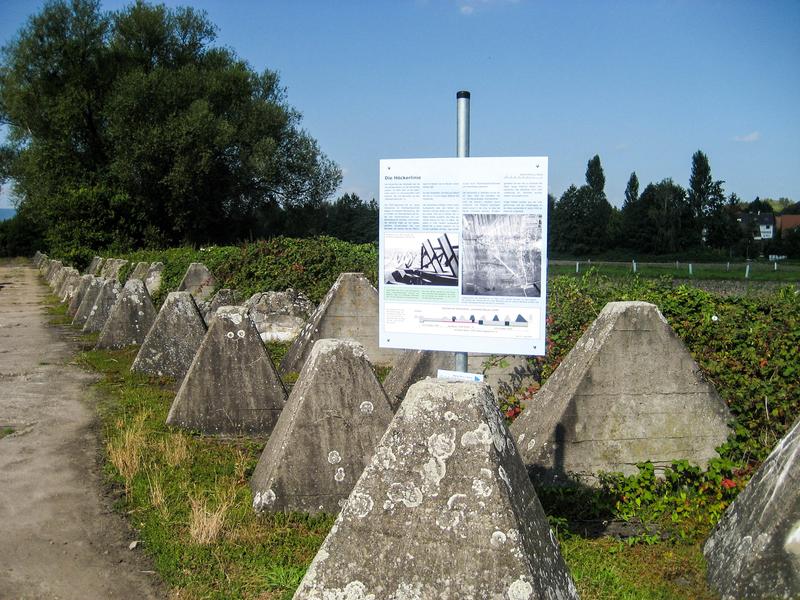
(421, 259)
(502, 255)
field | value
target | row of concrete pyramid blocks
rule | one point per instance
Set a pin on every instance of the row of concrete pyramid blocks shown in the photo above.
(628, 392)
(750, 556)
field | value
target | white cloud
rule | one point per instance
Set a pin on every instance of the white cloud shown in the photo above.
(753, 136)
(468, 7)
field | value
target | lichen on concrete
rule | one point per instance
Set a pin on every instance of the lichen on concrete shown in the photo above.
(444, 510)
(173, 340)
(334, 418)
(754, 551)
(348, 311)
(130, 318)
(231, 387)
(101, 307)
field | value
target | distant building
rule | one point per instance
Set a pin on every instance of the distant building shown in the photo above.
(762, 225)
(787, 222)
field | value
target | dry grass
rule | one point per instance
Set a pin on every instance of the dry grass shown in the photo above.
(125, 451)
(157, 497)
(175, 448)
(205, 523)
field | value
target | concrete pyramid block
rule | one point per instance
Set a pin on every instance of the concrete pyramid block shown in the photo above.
(41, 261)
(413, 366)
(95, 266)
(152, 280)
(58, 279)
(78, 295)
(280, 316)
(326, 435)
(87, 303)
(103, 303)
(173, 340)
(67, 287)
(140, 271)
(754, 552)
(223, 297)
(130, 318)
(232, 386)
(349, 311)
(52, 269)
(112, 267)
(445, 509)
(198, 281)
(628, 392)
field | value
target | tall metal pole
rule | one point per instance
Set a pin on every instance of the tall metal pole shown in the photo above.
(462, 151)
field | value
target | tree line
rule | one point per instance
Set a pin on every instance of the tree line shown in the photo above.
(663, 218)
(133, 129)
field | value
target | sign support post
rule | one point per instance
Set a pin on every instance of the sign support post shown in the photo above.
(462, 151)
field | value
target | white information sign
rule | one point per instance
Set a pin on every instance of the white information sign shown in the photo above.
(463, 254)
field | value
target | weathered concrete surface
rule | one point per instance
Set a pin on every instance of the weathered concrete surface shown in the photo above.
(58, 279)
(59, 537)
(231, 387)
(152, 280)
(101, 308)
(628, 392)
(504, 374)
(130, 318)
(87, 303)
(326, 435)
(95, 266)
(140, 271)
(754, 552)
(349, 311)
(111, 268)
(198, 281)
(68, 286)
(280, 316)
(173, 340)
(444, 510)
(77, 297)
(223, 297)
(52, 269)
(411, 367)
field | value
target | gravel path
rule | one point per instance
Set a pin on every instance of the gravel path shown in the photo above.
(58, 535)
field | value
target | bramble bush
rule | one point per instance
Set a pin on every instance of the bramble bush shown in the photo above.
(746, 346)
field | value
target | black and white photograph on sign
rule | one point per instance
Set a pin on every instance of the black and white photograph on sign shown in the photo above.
(421, 259)
(502, 255)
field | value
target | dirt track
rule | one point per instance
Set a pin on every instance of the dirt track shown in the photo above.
(58, 535)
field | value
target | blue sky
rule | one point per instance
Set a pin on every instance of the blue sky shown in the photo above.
(643, 84)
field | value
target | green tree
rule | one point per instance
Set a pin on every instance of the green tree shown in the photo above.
(724, 230)
(705, 196)
(583, 215)
(595, 178)
(138, 115)
(670, 225)
(758, 206)
(632, 189)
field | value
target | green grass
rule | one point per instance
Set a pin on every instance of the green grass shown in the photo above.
(265, 557)
(164, 469)
(606, 568)
(4, 431)
(759, 271)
